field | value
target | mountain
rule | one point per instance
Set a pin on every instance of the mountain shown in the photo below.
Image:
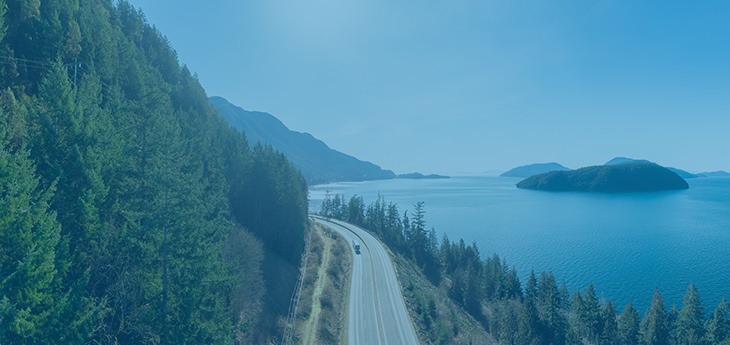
(635, 177)
(718, 173)
(625, 160)
(419, 176)
(533, 169)
(317, 162)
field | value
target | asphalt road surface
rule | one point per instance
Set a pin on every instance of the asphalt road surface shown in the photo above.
(377, 313)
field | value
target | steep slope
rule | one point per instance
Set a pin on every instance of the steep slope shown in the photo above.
(130, 211)
(317, 162)
(533, 169)
(630, 177)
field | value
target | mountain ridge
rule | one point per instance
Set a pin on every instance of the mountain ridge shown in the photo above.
(315, 159)
(533, 169)
(625, 160)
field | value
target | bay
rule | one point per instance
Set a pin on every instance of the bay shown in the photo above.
(625, 244)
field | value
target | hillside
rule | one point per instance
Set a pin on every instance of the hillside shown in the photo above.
(533, 169)
(317, 162)
(130, 212)
(625, 160)
(631, 177)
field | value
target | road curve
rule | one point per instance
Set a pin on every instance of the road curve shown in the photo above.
(377, 313)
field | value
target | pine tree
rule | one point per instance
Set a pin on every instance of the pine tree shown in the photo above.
(609, 330)
(628, 326)
(30, 299)
(672, 318)
(548, 306)
(592, 313)
(719, 326)
(654, 327)
(691, 323)
(3, 29)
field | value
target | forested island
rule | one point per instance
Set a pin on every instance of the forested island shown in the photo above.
(533, 169)
(419, 176)
(630, 177)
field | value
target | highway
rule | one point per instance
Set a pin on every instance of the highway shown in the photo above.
(377, 312)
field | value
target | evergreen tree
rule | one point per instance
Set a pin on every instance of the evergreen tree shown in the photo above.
(356, 210)
(548, 305)
(654, 326)
(719, 326)
(3, 29)
(30, 298)
(691, 323)
(591, 314)
(628, 326)
(609, 330)
(672, 318)
(149, 180)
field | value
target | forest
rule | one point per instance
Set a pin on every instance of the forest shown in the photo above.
(539, 312)
(130, 212)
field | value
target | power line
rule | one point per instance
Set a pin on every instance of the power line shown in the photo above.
(45, 65)
(42, 63)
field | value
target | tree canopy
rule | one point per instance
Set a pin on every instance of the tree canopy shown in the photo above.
(127, 201)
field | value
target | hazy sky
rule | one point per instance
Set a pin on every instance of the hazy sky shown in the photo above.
(470, 86)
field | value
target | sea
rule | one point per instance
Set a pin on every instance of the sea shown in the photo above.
(626, 245)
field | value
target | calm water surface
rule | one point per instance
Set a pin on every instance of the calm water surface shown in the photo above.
(625, 244)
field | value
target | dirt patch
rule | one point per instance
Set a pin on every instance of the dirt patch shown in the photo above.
(325, 285)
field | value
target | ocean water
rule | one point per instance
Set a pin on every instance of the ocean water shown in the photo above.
(625, 244)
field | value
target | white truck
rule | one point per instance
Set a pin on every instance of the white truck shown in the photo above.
(356, 245)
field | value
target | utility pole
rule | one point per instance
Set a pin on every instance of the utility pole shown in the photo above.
(76, 70)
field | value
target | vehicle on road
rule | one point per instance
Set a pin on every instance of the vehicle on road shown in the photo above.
(356, 246)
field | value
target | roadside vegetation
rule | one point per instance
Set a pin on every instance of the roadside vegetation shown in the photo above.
(539, 312)
(321, 314)
(437, 318)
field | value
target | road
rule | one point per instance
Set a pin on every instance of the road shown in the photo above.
(377, 313)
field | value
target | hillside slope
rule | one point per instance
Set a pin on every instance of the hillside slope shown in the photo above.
(130, 211)
(317, 162)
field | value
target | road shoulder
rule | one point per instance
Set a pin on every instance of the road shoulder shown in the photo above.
(320, 318)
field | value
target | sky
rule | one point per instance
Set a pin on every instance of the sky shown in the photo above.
(463, 87)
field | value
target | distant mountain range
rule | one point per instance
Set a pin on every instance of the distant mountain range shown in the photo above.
(317, 162)
(718, 173)
(611, 178)
(533, 169)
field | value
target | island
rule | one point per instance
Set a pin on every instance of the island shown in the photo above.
(419, 176)
(533, 169)
(624, 160)
(631, 177)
